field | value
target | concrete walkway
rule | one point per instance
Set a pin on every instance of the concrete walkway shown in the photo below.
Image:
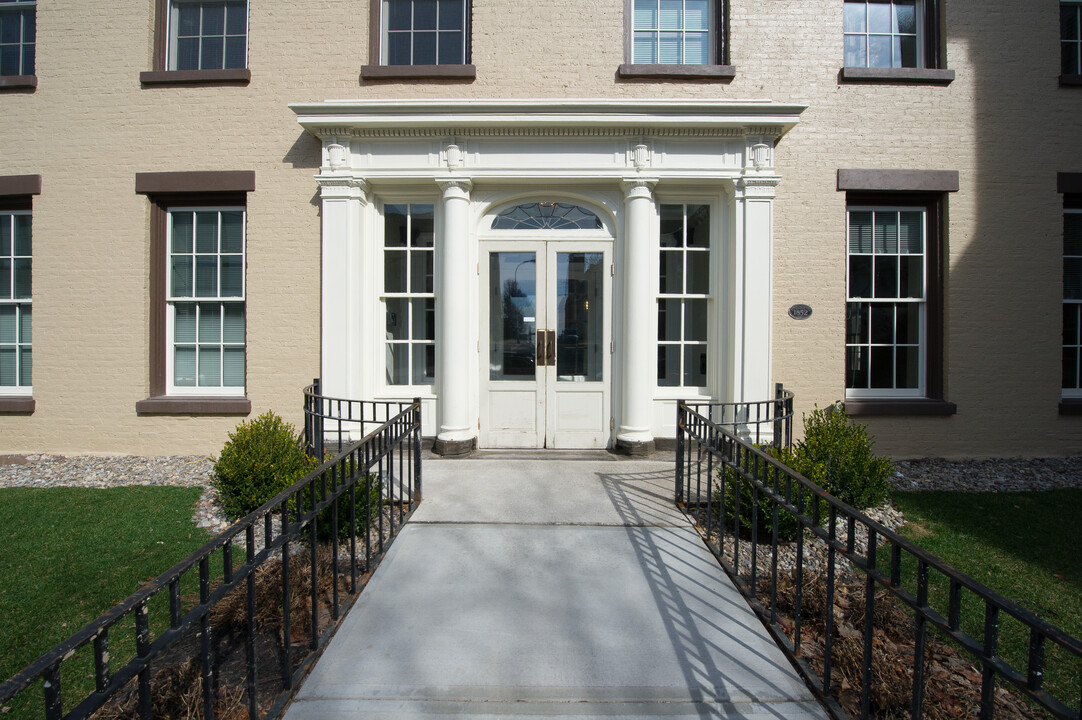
(561, 587)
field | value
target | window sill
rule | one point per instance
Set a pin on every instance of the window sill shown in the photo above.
(24, 405)
(723, 73)
(1070, 80)
(240, 76)
(194, 406)
(418, 72)
(1070, 406)
(928, 76)
(18, 82)
(915, 406)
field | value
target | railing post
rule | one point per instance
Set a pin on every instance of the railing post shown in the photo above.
(417, 450)
(680, 412)
(317, 418)
(779, 411)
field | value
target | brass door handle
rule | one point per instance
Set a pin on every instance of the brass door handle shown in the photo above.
(550, 347)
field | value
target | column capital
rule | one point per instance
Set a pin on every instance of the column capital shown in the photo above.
(342, 187)
(455, 187)
(638, 187)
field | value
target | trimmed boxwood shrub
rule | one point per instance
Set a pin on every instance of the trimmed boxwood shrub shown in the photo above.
(836, 454)
(262, 457)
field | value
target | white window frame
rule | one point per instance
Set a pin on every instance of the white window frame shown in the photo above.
(411, 388)
(642, 30)
(867, 34)
(18, 389)
(385, 33)
(172, 301)
(19, 6)
(708, 254)
(1077, 42)
(922, 303)
(174, 27)
(1075, 392)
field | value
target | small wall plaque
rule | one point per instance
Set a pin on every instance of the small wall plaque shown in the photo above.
(800, 312)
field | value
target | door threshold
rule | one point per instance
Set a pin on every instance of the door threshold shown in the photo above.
(550, 454)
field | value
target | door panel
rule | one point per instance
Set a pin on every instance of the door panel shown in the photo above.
(546, 342)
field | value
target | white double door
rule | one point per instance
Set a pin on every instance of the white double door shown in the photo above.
(545, 344)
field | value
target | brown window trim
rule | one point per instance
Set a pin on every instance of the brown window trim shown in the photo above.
(376, 70)
(916, 406)
(934, 203)
(162, 75)
(934, 181)
(721, 48)
(722, 73)
(240, 76)
(20, 185)
(418, 72)
(166, 189)
(18, 82)
(1068, 183)
(175, 405)
(1070, 80)
(17, 405)
(1070, 406)
(926, 76)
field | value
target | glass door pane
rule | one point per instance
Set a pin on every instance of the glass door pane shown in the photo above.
(579, 313)
(512, 315)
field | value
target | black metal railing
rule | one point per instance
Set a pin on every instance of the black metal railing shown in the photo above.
(796, 585)
(238, 637)
(332, 423)
(759, 422)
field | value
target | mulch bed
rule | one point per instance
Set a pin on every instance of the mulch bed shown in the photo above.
(952, 681)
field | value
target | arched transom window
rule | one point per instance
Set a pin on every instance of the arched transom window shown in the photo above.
(546, 216)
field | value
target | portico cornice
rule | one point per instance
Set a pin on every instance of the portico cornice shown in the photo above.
(517, 118)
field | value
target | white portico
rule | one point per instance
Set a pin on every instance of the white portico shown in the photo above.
(547, 273)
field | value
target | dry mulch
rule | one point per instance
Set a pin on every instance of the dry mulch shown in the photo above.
(952, 681)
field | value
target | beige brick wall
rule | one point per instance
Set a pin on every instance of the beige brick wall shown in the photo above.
(1003, 124)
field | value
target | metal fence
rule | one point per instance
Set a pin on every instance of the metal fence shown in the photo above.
(768, 422)
(239, 636)
(798, 584)
(332, 423)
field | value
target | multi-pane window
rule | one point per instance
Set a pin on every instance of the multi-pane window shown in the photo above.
(208, 35)
(1072, 302)
(18, 28)
(424, 32)
(883, 33)
(1070, 36)
(684, 294)
(15, 303)
(673, 32)
(887, 298)
(206, 300)
(408, 294)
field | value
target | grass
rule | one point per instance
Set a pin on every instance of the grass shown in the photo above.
(69, 554)
(1023, 546)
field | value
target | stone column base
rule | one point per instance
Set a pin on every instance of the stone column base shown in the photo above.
(454, 448)
(635, 448)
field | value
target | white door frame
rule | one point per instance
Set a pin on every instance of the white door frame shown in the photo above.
(545, 411)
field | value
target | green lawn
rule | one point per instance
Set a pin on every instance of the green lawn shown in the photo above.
(69, 554)
(1022, 545)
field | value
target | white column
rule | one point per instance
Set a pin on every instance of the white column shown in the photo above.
(457, 434)
(343, 199)
(635, 434)
(754, 199)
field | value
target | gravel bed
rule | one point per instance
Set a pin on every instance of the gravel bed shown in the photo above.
(1003, 475)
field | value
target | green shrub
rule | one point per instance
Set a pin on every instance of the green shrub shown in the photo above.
(262, 458)
(323, 520)
(836, 454)
(788, 526)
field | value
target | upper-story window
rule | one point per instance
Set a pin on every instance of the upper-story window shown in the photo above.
(884, 33)
(674, 32)
(425, 32)
(208, 34)
(1070, 35)
(18, 29)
